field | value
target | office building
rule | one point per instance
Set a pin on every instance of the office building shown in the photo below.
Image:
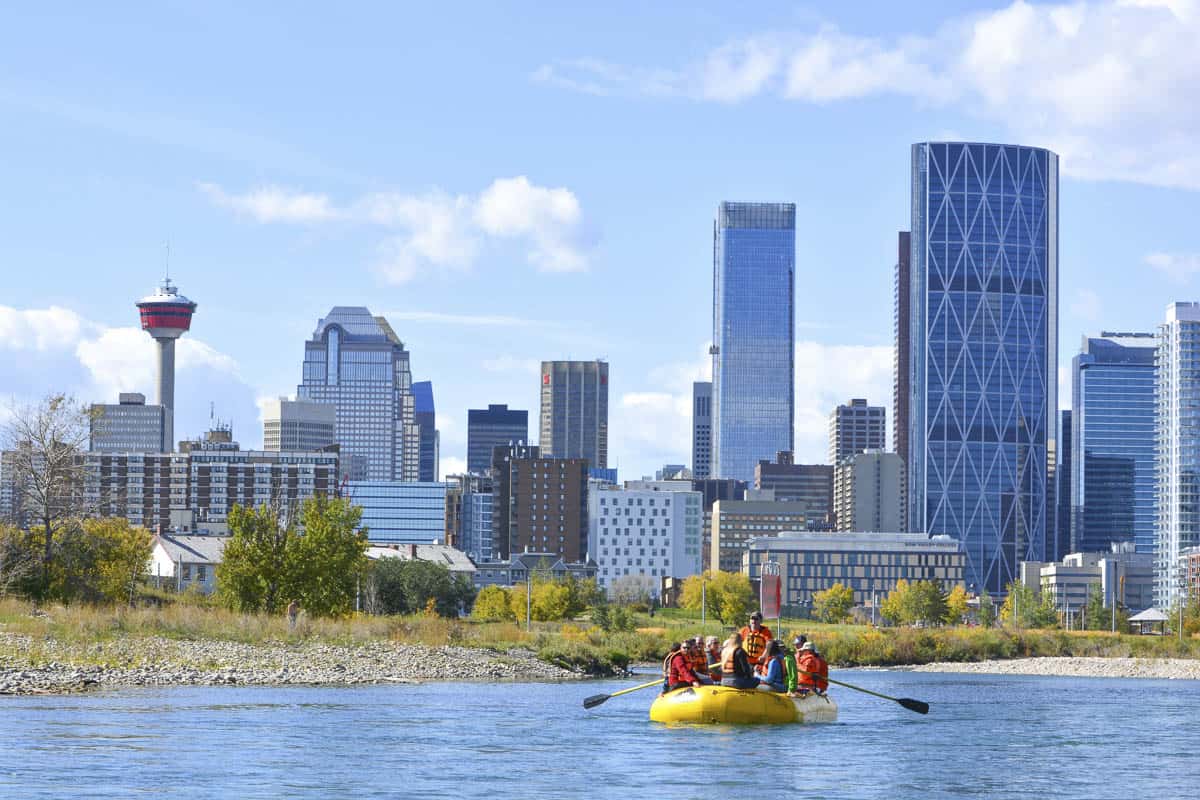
(401, 513)
(855, 428)
(1189, 570)
(297, 426)
(1062, 488)
(428, 441)
(869, 563)
(735, 522)
(753, 379)
(644, 531)
(166, 315)
(1177, 511)
(469, 514)
(701, 429)
(538, 504)
(984, 355)
(492, 427)
(811, 484)
(711, 490)
(356, 363)
(901, 357)
(574, 418)
(867, 491)
(129, 426)
(1119, 573)
(1113, 418)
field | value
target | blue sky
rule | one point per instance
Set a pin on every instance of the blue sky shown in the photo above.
(513, 182)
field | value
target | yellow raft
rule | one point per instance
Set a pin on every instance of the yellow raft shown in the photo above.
(724, 704)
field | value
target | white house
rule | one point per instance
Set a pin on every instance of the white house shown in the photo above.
(458, 562)
(181, 560)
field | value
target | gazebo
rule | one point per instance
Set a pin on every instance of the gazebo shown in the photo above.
(1139, 623)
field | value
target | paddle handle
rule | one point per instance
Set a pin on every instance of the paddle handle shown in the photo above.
(636, 688)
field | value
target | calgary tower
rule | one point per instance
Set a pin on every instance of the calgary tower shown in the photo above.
(166, 315)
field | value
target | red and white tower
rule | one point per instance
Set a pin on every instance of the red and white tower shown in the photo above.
(166, 315)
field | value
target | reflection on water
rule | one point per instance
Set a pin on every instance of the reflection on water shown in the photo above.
(987, 736)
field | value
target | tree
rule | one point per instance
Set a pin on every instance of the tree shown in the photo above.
(727, 595)
(256, 569)
(956, 606)
(895, 606)
(833, 604)
(492, 605)
(1099, 617)
(987, 610)
(926, 603)
(629, 590)
(42, 445)
(1024, 609)
(120, 553)
(19, 566)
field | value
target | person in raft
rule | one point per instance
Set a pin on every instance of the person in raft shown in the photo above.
(755, 638)
(735, 665)
(699, 660)
(775, 679)
(712, 646)
(679, 669)
(813, 670)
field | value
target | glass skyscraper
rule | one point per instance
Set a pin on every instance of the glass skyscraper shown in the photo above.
(754, 343)
(574, 414)
(426, 421)
(1113, 424)
(492, 427)
(983, 364)
(356, 362)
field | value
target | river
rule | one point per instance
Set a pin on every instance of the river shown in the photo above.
(986, 736)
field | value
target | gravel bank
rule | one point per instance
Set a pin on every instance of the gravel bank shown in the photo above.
(52, 667)
(1172, 668)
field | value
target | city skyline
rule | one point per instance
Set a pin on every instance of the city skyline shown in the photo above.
(290, 201)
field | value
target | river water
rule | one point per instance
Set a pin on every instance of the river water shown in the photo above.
(986, 736)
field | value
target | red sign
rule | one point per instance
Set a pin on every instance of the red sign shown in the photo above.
(545, 380)
(769, 596)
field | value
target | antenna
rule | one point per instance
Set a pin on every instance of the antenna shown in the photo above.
(168, 264)
(212, 409)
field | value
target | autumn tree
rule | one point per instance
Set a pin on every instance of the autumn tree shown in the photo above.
(728, 596)
(956, 605)
(120, 553)
(492, 605)
(833, 604)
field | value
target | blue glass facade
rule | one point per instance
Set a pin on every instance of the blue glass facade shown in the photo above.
(401, 513)
(492, 427)
(984, 352)
(754, 343)
(426, 421)
(1113, 427)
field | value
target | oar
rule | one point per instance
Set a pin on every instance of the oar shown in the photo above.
(919, 706)
(597, 699)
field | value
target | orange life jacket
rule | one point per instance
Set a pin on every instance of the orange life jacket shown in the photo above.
(755, 642)
(714, 660)
(812, 671)
(727, 667)
(699, 661)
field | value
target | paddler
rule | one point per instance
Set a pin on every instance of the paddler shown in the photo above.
(755, 638)
(679, 669)
(775, 679)
(735, 665)
(813, 669)
(713, 655)
(698, 660)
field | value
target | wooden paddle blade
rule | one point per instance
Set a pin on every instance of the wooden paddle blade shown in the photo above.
(914, 705)
(595, 700)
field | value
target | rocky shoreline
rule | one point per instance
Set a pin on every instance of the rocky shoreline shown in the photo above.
(47, 666)
(1079, 667)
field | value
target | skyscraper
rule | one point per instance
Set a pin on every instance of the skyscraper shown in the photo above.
(539, 504)
(1177, 513)
(1113, 420)
(355, 362)
(492, 427)
(855, 428)
(574, 419)
(984, 326)
(429, 442)
(298, 426)
(901, 386)
(754, 257)
(1062, 490)
(130, 426)
(701, 429)
(166, 315)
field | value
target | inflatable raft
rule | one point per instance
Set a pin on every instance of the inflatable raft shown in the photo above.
(723, 704)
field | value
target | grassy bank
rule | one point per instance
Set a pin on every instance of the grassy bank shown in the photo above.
(576, 644)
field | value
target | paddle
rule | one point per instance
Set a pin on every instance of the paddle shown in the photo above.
(597, 699)
(918, 706)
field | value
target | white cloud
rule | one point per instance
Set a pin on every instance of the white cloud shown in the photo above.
(437, 231)
(125, 359)
(1179, 267)
(451, 465)
(1106, 84)
(39, 329)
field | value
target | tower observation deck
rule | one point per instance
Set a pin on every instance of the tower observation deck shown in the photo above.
(166, 315)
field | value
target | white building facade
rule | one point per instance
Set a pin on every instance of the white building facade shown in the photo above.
(647, 530)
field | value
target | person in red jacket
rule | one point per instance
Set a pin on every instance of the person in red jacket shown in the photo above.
(679, 670)
(813, 670)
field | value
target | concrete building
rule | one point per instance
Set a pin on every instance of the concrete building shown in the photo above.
(754, 341)
(298, 426)
(428, 439)
(647, 530)
(539, 504)
(492, 427)
(811, 484)
(855, 428)
(1177, 512)
(735, 522)
(1121, 574)
(401, 513)
(701, 429)
(166, 315)
(129, 426)
(711, 490)
(186, 561)
(1189, 570)
(574, 415)
(901, 357)
(356, 363)
(869, 563)
(867, 492)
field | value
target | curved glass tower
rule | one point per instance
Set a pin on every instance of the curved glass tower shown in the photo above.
(754, 349)
(983, 300)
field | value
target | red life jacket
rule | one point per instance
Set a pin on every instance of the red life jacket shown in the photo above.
(809, 662)
(680, 670)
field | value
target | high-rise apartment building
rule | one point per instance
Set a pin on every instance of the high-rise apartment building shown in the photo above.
(492, 427)
(701, 429)
(645, 531)
(297, 426)
(867, 491)
(428, 440)
(574, 418)
(129, 426)
(539, 504)
(753, 385)
(1177, 509)
(855, 428)
(810, 484)
(469, 514)
(902, 328)
(1113, 425)
(736, 522)
(1063, 469)
(984, 356)
(356, 363)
